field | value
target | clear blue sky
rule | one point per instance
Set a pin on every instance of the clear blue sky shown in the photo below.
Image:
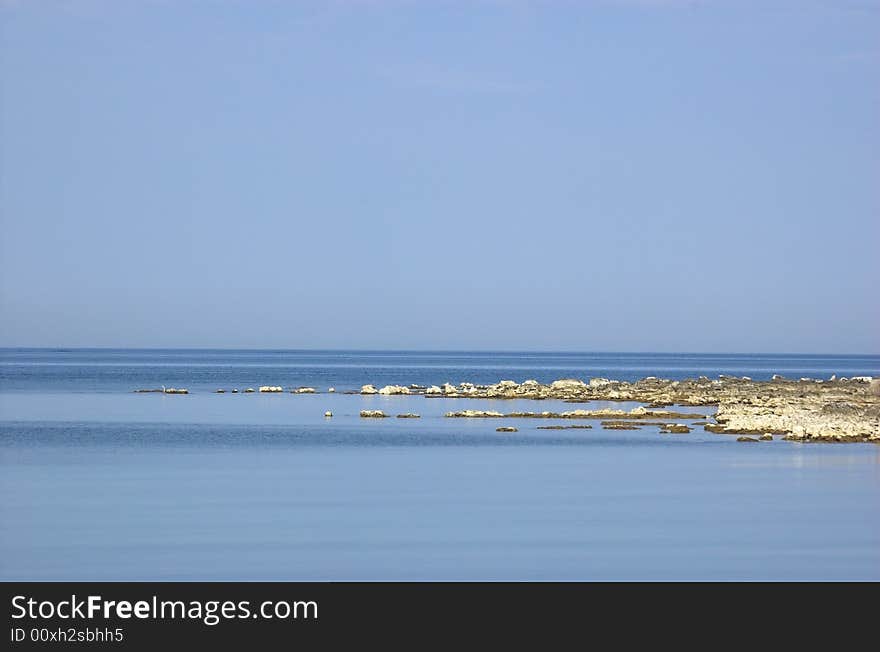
(597, 175)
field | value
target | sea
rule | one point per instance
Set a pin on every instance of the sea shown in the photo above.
(98, 482)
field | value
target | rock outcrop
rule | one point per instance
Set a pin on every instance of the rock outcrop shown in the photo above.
(392, 390)
(373, 414)
(839, 409)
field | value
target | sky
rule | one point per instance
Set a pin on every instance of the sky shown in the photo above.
(614, 175)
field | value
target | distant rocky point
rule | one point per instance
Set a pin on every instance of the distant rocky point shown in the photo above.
(804, 409)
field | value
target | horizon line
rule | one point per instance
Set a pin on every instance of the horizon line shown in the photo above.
(430, 351)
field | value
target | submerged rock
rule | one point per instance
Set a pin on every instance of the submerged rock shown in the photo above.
(746, 439)
(675, 428)
(506, 429)
(408, 415)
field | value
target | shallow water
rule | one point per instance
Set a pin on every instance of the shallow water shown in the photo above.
(100, 483)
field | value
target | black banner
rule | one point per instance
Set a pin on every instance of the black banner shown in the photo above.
(153, 615)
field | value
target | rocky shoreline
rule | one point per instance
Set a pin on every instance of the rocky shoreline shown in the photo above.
(805, 409)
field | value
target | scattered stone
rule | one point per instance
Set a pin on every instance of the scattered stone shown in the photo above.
(766, 437)
(219, 391)
(174, 390)
(249, 390)
(331, 390)
(621, 426)
(506, 429)
(271, 389)
(577, 426)
(303, 390)
(675, 428)
(373, 414)
(328, 414)
(235, 391)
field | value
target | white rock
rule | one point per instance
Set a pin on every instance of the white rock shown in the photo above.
(568, 383)
(394, 389)
(369, 389)
(328, 413)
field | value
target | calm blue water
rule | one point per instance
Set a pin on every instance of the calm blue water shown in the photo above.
(99, 483)
(113, 370)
